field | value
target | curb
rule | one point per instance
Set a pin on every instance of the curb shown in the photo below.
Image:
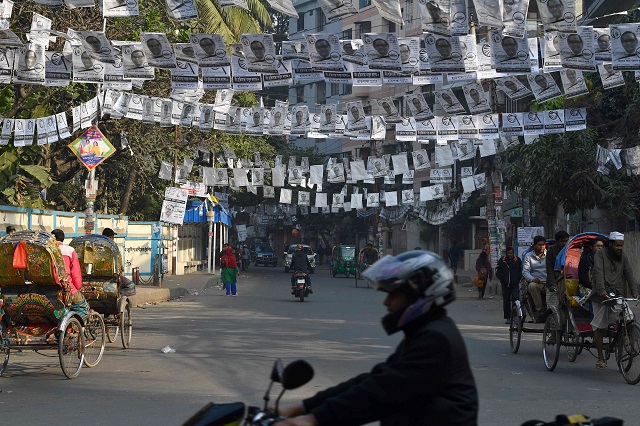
(146, 295)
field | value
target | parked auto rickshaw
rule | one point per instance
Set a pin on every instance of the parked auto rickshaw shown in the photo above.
(344, 260)
(367, 256)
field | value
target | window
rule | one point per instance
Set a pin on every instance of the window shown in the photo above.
(347, 34)
(335, 89)
(300, 94)
(320, 19)
(365, 3)
(347, 89)
(367, 109)
(321, 92)
(362, 28)
(301, 22)
(391, 25)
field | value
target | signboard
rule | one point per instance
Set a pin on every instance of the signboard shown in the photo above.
(92, 148)
(526, 234)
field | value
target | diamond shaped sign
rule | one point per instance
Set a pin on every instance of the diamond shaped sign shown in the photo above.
(92, 148)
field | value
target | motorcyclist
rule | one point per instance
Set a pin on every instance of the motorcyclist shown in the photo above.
(300, 262)
(427, 380)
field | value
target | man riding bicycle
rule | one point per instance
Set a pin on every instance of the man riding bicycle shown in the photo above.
(369, 256)
(300, 262)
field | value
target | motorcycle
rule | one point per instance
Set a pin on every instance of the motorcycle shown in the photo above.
(301, 287)
(291, 377)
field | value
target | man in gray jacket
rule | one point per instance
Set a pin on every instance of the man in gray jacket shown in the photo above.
(611, 268)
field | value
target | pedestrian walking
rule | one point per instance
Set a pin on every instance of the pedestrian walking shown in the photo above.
(485, 273)
(509, 272)
(454, 256)
(245, 255)
(321, 253)
(229, 272)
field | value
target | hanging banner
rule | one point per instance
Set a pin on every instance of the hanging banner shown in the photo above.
(92, 148)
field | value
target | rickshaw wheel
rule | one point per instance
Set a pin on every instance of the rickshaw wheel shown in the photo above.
(94, 336)
(71, 342)
(112, 332)
(515, 329)
(628, 349)
(574, 351)
(5, 361)
(125, 325)
(551, 336)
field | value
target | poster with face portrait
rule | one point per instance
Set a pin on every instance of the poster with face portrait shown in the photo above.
(373, 199)
(157, 50)
(135, 62)
(382, 51)
(551, 52)
(512, 87)
(85, 68)
(573, 83)
(205, 120)
(610, 78)
(625, 52)
(295, 50)
(97, 45)
(466, 150)
(459, 17)
(260, 53)
(185, 76)
(576, 49)
(554, 121)
(276, 120)
(328, 118)
(435, 16)
(444, 53)
(543, 86)
(182, 10)
(378, 128)
(558, 15)
(256, 118)
(602, 44)
(210, 50)
(119, 8)
(477, 99)
(512, 124)
(336, 9)
(406, 130)
(449, 102)
(30, 68)
(489, 12)
(242, 78)
(353, 52)
(409, 48)
(335, 173)
(114, 73)
(511, 54)
(324, 52)
(174, 206)
(575, 119)
(514, 17)
(57, 67)
(388, 110)
(418, 107)
(355, 116)
(299, 119)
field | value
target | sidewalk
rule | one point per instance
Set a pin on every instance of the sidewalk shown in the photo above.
(174, 286)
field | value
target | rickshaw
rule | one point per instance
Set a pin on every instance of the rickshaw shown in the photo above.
(344, 260)
(35, 313)
(568, 323)
(364, 263)
(101, 284)
(523, 309)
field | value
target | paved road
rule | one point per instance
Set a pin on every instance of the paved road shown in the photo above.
(225, 346)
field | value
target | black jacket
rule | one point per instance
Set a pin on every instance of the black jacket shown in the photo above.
(509, 273)
(427, 381)
(584, 268)
(300, 262)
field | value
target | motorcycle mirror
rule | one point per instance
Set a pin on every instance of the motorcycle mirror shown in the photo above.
(276, 371)
(296, 374)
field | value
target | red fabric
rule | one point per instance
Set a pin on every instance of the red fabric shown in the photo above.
(72, 264)
(229, 259)
(20, 255)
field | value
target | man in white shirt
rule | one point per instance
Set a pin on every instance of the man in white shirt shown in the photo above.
(534, 269)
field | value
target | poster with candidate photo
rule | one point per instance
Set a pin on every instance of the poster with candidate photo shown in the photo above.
(299, 119)
(573, 83)
(387, 108)
(97, 45)
(210, 50)
(353, 52)
(335, 173)
(242, 78)
(552, 60)
(459, 24)
(378, 128)
(514, 17)
(449, 102)
(336, 9)
(85, 68)
(57, 67)
(435, 16)
(182, 10)
(295, 50)
(576, 49)
(418, 107)
(276, 120)
(477, 99)
(158, 50)
(328, 117)
(420, 160)
(135, 62)
(30, 66)
(558, 15)
(205, 120)
(543, 86)
(409, 48)
(255, 122)
(489, 12)
(382, 51)
(355, 116)
(223, 100)
(444, 53)
(511, 54)
(625, 52)
(602, 44)
(512, 87)
(466, 150)
(119, 8)
(324, 52)
(610, 78)
(260, 53)
(114, 74)
(234, 121)
(376, 167)
(186, 75)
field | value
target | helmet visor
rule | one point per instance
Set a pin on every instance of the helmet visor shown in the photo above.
(383, 272)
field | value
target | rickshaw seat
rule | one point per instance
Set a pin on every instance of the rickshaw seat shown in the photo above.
(101, 252)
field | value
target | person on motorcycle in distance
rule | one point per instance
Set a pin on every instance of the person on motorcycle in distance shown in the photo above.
(300, 262)
(427, 380)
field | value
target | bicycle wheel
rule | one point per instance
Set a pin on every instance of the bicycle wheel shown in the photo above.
(574, 351)
(112, 332)
(628, 349)
(5, 361)
(125, 325)
(551, 336)
(70, 344)
(515, 329)
(94, 336)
